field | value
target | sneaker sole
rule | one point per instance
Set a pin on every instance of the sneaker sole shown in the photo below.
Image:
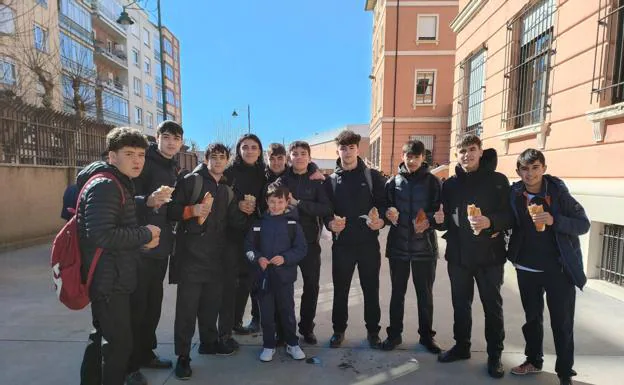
(524, 373)
(296, 359)
(183, 378)
(224, 354)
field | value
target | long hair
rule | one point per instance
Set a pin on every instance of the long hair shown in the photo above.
(238, 159)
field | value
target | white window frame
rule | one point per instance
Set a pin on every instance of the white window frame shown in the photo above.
(437, 28)
(136, 57)
(147, 65)
(138, 115)
(433, 92)
(45, 37)
(147, 39)
(137, 86)
(8, 20)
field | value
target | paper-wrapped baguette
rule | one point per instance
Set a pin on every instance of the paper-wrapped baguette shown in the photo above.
(421, 216)
(250, 198)
(208, 199)
(167, 190)
(537, 209)
(394, 211)
(373, 214)
(473, 211)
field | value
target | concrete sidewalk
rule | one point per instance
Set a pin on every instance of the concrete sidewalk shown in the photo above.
(41, 342)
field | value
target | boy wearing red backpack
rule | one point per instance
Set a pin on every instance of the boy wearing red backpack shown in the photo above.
(107, 220)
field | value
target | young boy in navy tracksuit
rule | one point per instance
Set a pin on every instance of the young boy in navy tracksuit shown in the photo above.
(544, 247)
(276, 244)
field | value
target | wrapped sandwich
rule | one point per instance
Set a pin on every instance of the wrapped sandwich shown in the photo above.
(473, 211)
(537, 209)
(166, 190)
(373, 214)
(208, 199)
(393, 211)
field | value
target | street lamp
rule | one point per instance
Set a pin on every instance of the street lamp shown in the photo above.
(125, 19)
(235, 114)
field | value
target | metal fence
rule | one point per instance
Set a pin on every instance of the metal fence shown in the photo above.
(608, 79)
(612, 261)
(32, 135)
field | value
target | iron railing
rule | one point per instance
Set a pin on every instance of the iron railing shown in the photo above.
(471, 95)
(528, 52)
(608, 78)
(612, 261)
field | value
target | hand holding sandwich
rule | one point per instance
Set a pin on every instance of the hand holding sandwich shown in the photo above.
(478, 222)
(421, 223)
(540, 217)
(248, 204)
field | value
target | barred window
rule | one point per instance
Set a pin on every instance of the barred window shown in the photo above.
(472, 95)
(375, 152)
(527, 65)
(608, 79)
(424, 87)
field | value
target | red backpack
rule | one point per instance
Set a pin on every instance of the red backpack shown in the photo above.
(66, 260)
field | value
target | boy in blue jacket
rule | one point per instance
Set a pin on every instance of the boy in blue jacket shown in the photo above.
(544, 247)
(276, 244)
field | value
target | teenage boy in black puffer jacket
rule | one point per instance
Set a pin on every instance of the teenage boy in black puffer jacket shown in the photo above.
(274, 246)
(412, 243)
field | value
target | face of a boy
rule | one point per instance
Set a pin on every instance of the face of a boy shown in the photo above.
(128, 160)
(531, 175)
(469, 157)
(277, 163)
(169, 144)
(250, 151)
(348, 154)
(277, 206)
(413, 162)
(299, 158)
(217, 162)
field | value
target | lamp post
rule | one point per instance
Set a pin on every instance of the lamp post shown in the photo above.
(235, 114)
(125, 19)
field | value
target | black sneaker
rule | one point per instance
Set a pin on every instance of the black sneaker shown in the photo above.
(454, 354)
(373, 340)
(391, 343)
(253, 326)
(218, 347)
(231, 343)
(495, 367)
(336, 340)
(183, 369)
(309, 338)
(136, 378)
(240, 329)
(431, 345)
(565, 381)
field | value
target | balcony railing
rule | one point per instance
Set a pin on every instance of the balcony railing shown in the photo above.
(114, 117)
(78, 69)
(114, 57)
(76, 29)
(115, 86)
(108, 16)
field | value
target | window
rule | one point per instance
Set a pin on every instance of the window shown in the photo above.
(137, 86)
(472, 94)
(159, 118)
(7, 72)
(170, 96)
(76, 13)
(114, 105)
(41, 39)
(168, 71)
(147, 65)
(612, 258)
(427, 28)
(529, 41)
(76, 56)
(159, 96)
(148, 92)
(156, 44)
(149, 120)
(424, 87)
(135, 56)
(7, 20)
(375, 153)
(146, 37)
(168, 46)
(158, 72)
(608, 79)
(138, 115)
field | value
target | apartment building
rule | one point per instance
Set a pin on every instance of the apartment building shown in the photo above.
(411, 78)
(107, 70)
(549, 74)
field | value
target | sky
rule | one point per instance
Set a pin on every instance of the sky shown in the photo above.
(301, 65)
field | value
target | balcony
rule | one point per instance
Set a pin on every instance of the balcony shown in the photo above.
(116, 56)
(106, 18)
(78, 69)
(115, 118)
(114, 86)
(76, 29)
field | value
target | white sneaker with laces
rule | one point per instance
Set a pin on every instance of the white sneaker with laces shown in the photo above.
(295, 352)
(267, 355)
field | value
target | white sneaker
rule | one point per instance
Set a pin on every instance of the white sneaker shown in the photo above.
(295, 352)
(267, 355)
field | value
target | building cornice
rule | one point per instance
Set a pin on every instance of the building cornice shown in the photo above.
(370, 5)
(421, 53)
(467, 14)
(600, 116)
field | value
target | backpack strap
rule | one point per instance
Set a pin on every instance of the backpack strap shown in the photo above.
(369, 179)
(197, 186)
(333, 178)
(292, 231)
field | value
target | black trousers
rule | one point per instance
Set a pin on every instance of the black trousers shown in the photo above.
(146, 304)
(489, 281)
(282, 300)
(561, 298)
(106, 357)
(311, 273)
(367, 258)
(196, 301)
(423, 276)
(244, 283)
(227, 311)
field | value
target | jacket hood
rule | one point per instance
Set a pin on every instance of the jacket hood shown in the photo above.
(155, 155)
(403, 170)
(96, 167)
(488, 162)
(291, 214)
(340, 170)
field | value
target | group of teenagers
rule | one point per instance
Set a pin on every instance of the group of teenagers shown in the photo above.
(236, 228)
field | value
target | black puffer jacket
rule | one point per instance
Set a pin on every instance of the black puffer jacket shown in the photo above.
(408, 193)
(104, 223)
(200, 248)
(158, 171)
(313, 201)
(352, 199)
(488, 190)
(245, 179)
